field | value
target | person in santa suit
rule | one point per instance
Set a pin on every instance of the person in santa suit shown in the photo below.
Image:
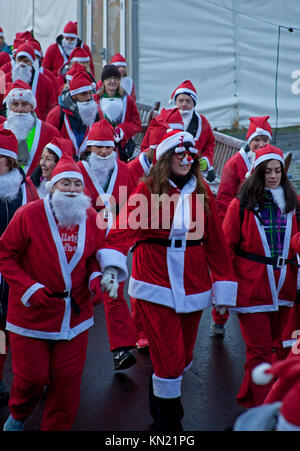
(50, 305)
(258, 227)
(57, 54)
(32, 133)
(119, 109)
(185, 99)
(14, 192)
(233, 174)
(106, 179)
(51, 155)
(78, 56)
(3, 46)
(126, 81)
(41, 85)
(76, 112)
(43, 70)
(179, 258)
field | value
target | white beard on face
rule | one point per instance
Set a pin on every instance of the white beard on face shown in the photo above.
(19, 123)
(87, 112)
(70, 211)
(68, 48)
(10, 184)
(186, 117)
(21, 71)
(112, 108)
(102, 167)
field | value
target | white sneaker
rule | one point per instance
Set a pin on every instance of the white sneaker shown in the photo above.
(13, 425)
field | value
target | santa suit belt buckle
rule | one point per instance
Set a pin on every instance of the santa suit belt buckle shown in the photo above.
(178, 244)
(280, 262)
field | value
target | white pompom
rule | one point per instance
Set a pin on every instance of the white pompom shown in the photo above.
(259, 375)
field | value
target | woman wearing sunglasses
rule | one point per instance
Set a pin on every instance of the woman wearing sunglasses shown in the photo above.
(180, 259)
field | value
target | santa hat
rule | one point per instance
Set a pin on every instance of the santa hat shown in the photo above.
(37, 47)
(8, 144)
(175, 139)
(77, 67)
(172, 117)
(157, 130)
(60, 147)
(70, 30)
(19, 90)
(118, 60)
(187, 88)
(1, 32)
(79, 55)
(102, 133)
(24, 35)
(81, 82)
(285, 389)
(65, 168)
(259, 126)
(26, 50)
(266, 153)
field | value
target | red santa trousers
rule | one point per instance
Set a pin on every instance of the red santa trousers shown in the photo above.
(171, 337)
(137, 321)
(119, 322)
(262, 335)
(37, 362)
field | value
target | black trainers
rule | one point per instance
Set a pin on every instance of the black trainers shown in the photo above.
(4, 395)
(123, 359)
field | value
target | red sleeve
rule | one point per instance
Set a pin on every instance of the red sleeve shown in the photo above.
(132, 124)
(228, 188)
(206, 142)
(48, 57)
(232, 226)
(53, 117)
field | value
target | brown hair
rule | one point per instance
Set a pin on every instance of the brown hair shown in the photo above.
(158, 178)
(252, 191)
(119, 91)
(12, 163)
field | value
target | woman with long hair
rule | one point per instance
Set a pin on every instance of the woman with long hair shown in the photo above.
(258, 228)
(119, 109)
(180, 260)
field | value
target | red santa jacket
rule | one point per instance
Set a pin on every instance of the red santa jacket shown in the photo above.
(137, 168)
(44, 133)
(233, 175)
(130, 123)
(33, 237)
(44, 92)
(55, 58)
(259, 288)
(181, 277)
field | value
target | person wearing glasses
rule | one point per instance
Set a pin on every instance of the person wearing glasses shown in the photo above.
(180, 256)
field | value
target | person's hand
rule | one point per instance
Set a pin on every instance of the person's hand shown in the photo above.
(95, 288)
(203, 164)
(221, 309)
(42, 298)
(109, 282)
(119, 134)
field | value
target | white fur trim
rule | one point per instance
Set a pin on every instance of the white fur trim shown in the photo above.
(101, 143)
(66, 175)
(70, 35)
(173, 141)
(8, 153)
(259, 375)
(166, 388)
(25, 299)
(225, 292)
(186, 91)
(55, 149)
(80, 90)
(268, 156)
(112, 257)
(278, 197)
(284, 425)
(83, 59)
(18, 54)
(259, 132)
(119, 63)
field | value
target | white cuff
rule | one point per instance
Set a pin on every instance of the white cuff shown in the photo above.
(225, 292)
(166, 388)
(28, 293)
(112, 257)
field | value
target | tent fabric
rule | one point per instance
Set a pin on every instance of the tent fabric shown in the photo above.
(228, 49)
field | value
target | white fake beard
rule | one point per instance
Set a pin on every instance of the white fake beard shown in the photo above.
(186, 117)
(21, 71)
(70, 211)
(112, 108)
(10, 184)
(278, 197)
(19, 123)
(68, 48)
(102, 167)
(87, 112)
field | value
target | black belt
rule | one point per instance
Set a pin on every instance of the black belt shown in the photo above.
(277, 262)
(177, 244)
(64, 294)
